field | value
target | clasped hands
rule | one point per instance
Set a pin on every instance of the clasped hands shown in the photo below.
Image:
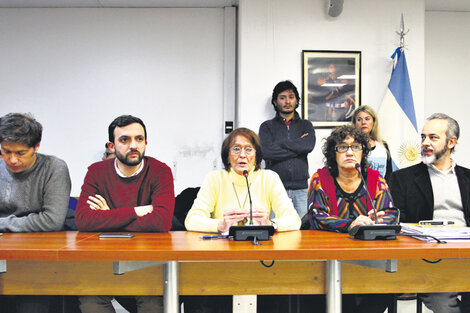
(233, 216)
(368, 220)
(99, 203)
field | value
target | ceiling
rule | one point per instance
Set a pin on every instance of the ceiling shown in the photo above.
(116, 3)
(431, 5)
(447, 5)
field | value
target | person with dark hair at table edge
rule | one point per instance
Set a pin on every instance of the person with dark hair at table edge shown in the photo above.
(436, 189)
(131, 192)
(34, 192)
(338, 199)
(108, 153)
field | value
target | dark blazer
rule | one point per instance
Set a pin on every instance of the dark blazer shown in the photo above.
(412, 192)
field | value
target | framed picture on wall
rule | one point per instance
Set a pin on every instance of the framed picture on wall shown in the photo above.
(331, 86)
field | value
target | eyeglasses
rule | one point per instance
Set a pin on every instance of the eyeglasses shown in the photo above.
(237, 150)
(344, 148)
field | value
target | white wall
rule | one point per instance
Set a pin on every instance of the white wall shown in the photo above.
(78, 69)
(447, 72)
(273, 33)
(66, 66)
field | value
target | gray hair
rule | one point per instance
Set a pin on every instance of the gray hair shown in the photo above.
(453, 129)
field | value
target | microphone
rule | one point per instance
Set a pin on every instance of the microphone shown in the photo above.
(359, 170)
(375, 231)
(245, 173)
(397, 220)
(251, 232)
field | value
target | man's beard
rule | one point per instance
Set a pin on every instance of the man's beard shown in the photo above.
(281, 110)
(125, 158)
(431, 159)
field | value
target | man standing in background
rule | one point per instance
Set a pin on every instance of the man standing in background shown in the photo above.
(34, 193)
(287, 140)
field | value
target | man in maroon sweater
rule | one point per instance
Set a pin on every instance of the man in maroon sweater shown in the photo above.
(131, 192)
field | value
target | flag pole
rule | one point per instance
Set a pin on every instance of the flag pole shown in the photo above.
(397, 113)
(402, 33)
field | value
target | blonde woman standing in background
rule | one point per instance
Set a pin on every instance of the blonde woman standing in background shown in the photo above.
(365, 118)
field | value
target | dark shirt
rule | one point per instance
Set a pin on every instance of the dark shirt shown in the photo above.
(285, 152)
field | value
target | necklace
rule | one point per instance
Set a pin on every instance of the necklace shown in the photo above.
(238, 200)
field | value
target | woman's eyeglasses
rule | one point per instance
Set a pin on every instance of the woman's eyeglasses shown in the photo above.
(237, 150)
(344, 148)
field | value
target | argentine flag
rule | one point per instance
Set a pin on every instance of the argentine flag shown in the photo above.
(397, 116)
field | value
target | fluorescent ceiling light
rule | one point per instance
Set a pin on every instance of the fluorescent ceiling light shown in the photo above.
(332, 85)
(347, 77)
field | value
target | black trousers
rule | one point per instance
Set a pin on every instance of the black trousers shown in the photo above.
(364, 303)
(25, 304)
(39, 304)
(351, 303)
(223, 304)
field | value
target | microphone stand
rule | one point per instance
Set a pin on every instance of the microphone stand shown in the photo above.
(251, 232)
(376, 231)
(245, 173)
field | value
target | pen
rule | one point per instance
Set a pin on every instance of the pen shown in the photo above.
(436, 223)
(215, 237)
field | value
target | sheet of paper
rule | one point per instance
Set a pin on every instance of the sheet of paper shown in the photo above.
(446, 233)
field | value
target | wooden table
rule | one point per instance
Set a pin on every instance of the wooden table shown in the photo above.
(306, 262)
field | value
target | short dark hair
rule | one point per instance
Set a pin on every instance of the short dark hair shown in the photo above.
(20, 128)
(122, 121)
(281, 87)
(248, 134)
(337, 137)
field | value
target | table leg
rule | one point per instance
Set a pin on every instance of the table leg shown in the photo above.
(333, 287)
(170, 287)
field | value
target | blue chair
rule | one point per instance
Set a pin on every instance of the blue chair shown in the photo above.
(70, 218)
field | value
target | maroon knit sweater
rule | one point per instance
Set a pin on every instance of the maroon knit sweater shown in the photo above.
(153, 185)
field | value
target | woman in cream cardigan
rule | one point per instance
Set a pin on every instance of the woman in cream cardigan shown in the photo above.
(223, 199)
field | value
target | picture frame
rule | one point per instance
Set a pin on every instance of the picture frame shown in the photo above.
(331, 86)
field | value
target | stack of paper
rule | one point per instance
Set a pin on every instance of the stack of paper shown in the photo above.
(443, 233)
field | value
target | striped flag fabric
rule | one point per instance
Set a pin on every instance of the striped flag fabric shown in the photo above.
(397, 116)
